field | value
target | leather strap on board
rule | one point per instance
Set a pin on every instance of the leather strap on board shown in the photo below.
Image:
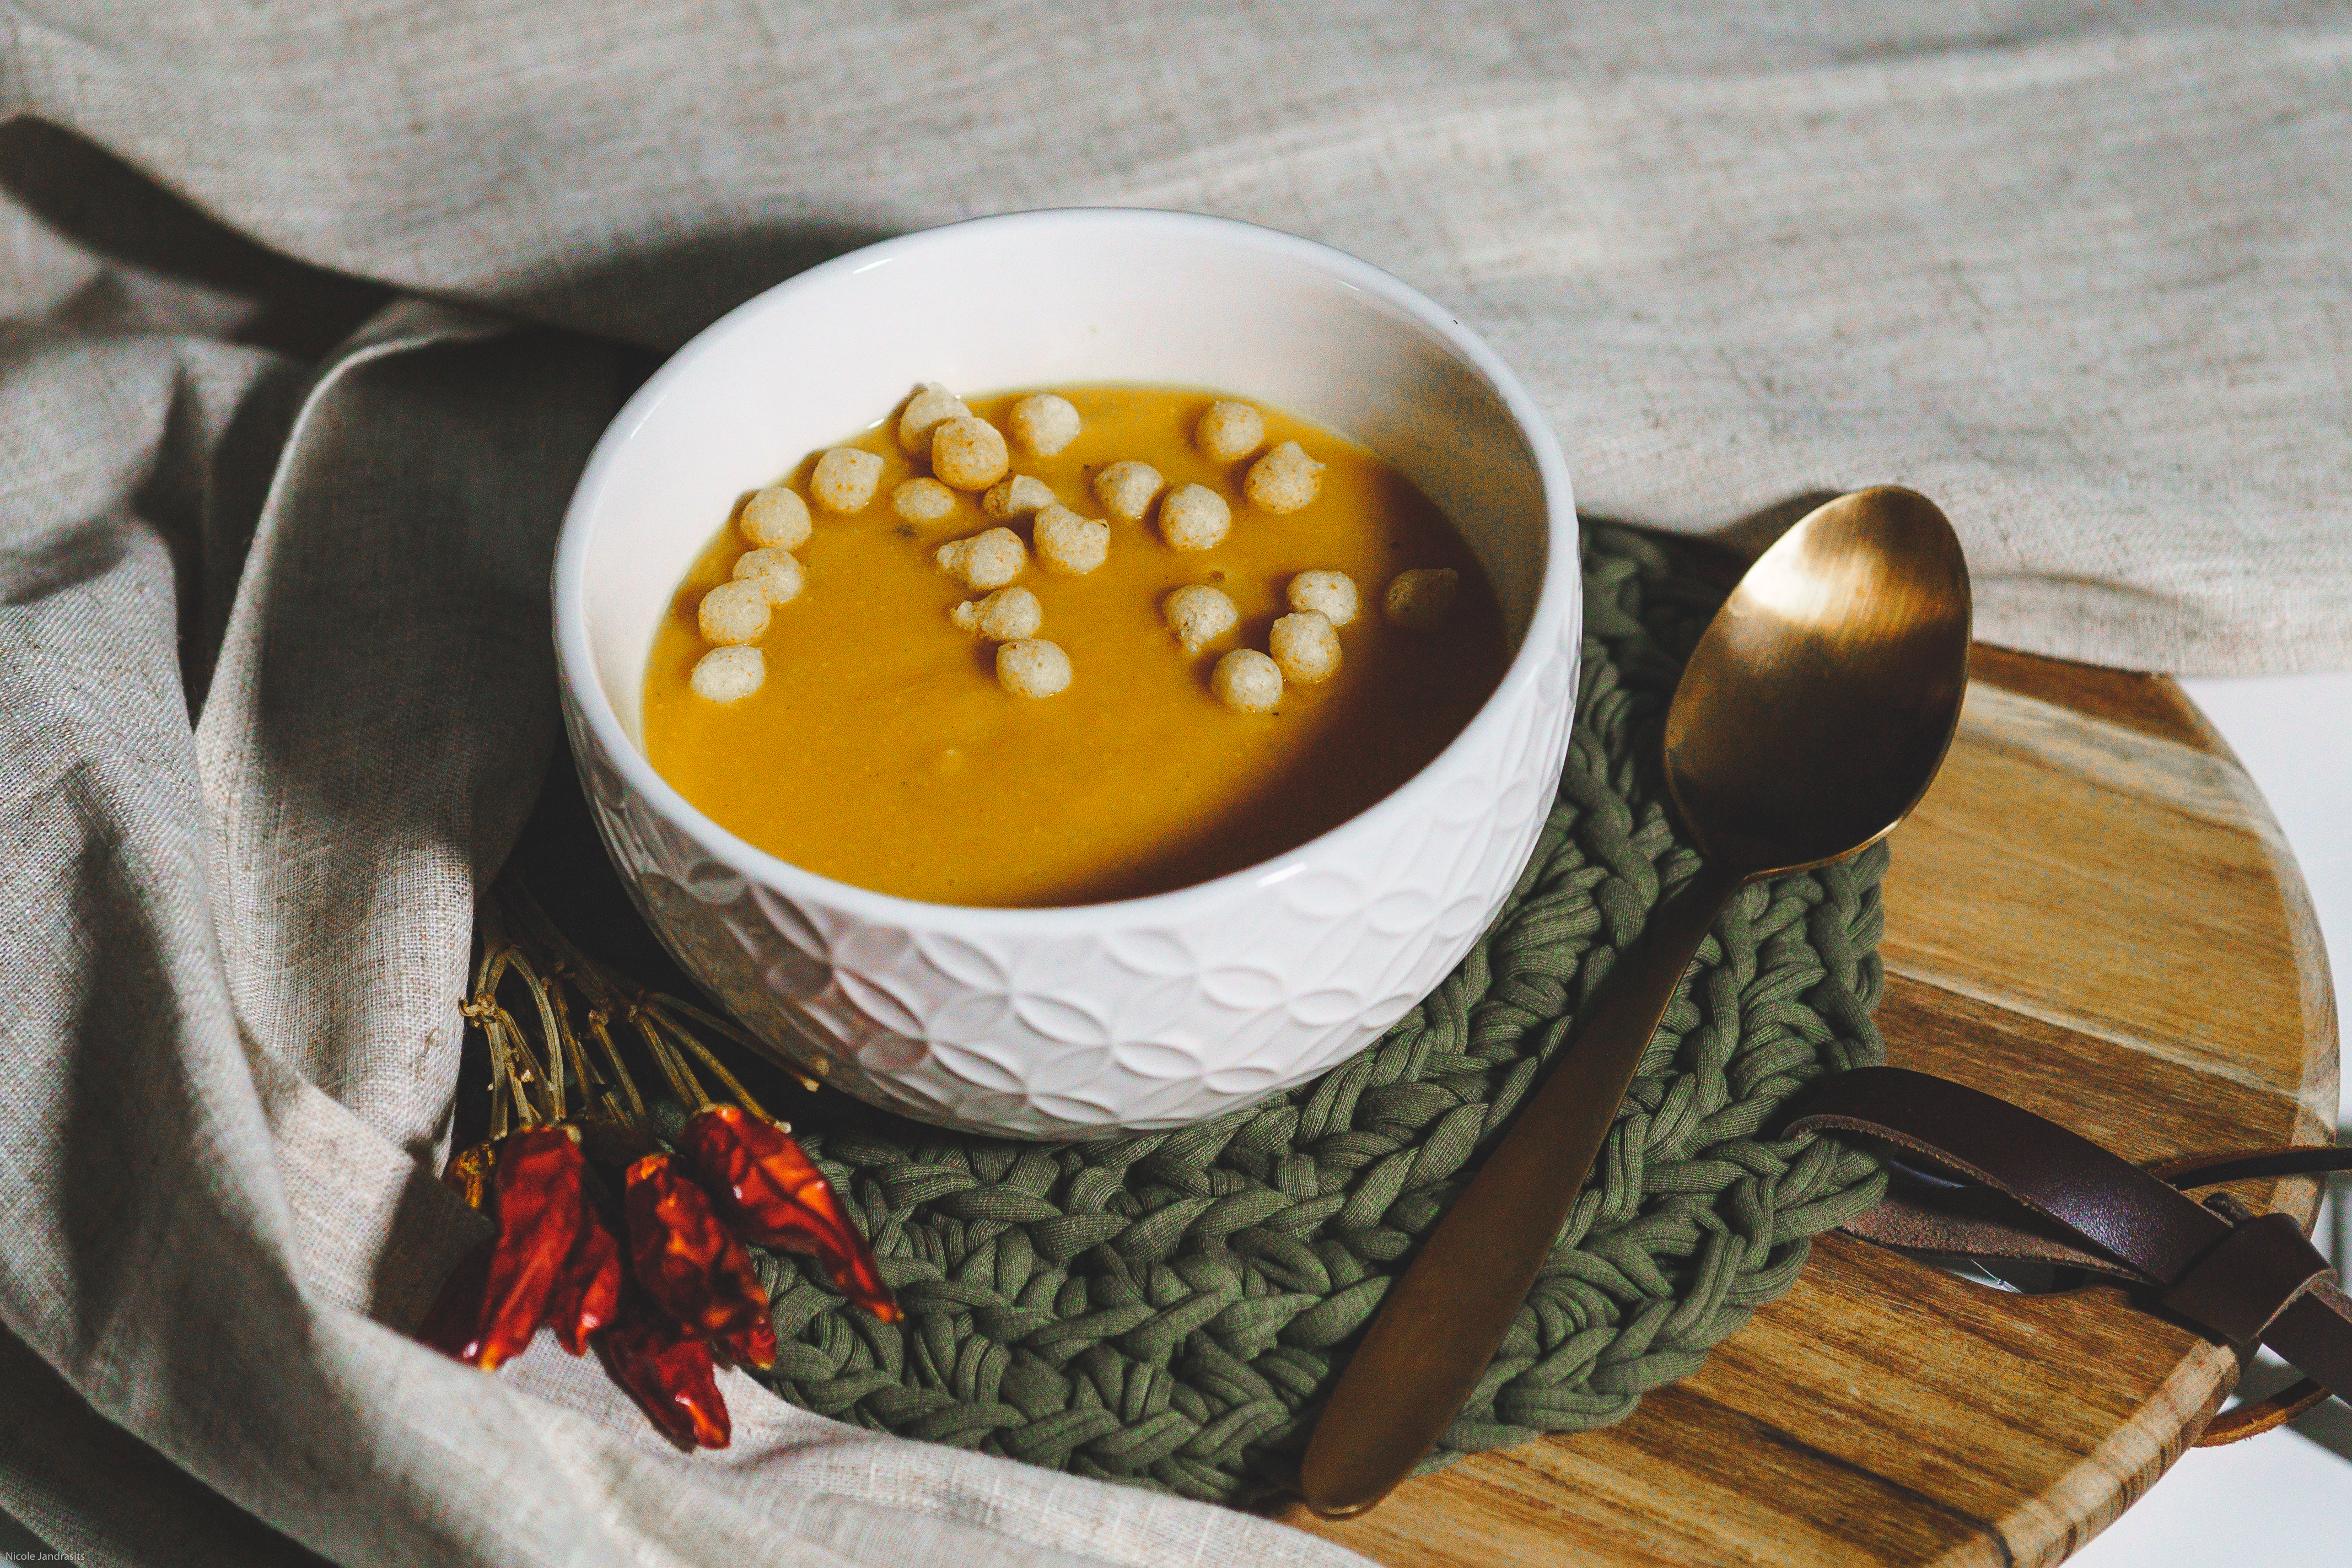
(1978, 1177)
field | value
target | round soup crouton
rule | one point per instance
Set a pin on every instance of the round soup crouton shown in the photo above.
(1284, 480)
(1306, 647)
(968, 453)
(728, 674)
(733, 613)
(1006, 615)
(845, 479)
(922, 500)
(932, 405)
(1247, 681)
(1043, 422)
(1125, 489)
(1229, 431)
(1330, 594)
(777, 574)
(1198, 615)
(1068, 543)
(985, 560)
(776, 519)
(1033, 667)
(1195, 518)
(1016, 497)
(1422, 598)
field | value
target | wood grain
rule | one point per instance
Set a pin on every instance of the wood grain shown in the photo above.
(2091, 914)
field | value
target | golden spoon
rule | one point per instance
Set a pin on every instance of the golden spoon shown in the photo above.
(1811, 718)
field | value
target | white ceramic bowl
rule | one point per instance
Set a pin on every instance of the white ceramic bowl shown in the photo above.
(1108, 1018)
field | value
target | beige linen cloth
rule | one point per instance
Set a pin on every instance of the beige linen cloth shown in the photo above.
(274, 670)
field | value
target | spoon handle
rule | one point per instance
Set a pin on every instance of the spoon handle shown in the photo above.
(1438, 1326)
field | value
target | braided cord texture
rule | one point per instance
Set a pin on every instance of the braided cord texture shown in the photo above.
(1168, 1309)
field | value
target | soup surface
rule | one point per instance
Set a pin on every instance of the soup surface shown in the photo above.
(880, 748)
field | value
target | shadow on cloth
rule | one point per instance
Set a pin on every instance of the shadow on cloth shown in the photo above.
(654, 294)
(662, 289)
(100, 1494)
(112, 210)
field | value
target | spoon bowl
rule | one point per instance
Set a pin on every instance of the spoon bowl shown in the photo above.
(1811, 718)
(1820, 701)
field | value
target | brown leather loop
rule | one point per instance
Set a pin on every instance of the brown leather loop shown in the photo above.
(1975, 1222)
(2235, 1289)
(2049, 1194)
(2100, 1197)
(2252, 1420)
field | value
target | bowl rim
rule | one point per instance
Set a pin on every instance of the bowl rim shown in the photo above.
(1558, 598)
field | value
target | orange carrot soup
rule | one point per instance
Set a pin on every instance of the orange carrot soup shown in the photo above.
(1063, 646)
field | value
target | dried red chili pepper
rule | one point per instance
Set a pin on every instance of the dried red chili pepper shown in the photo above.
(584, 1296)
(587, 1294)
(667, 1371)
(541, 1211)
(453, 1323)
(753, 1346)
(693, 1266)
(772, 1193)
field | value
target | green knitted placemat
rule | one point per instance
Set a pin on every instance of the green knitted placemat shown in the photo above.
(1168, 1309)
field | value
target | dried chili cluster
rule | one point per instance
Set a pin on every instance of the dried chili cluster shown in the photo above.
(659, 1283)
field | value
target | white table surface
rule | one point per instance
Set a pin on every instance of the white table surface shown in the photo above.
(2284, 1497)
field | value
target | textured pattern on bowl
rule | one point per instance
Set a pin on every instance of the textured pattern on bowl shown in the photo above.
(1152, 1012)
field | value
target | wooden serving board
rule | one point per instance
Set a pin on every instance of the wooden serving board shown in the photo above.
(2091, 913)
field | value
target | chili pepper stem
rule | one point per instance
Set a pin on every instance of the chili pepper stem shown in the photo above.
(534, 1077)
(743, 1095)
(597, 1018)
(721, 1027)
